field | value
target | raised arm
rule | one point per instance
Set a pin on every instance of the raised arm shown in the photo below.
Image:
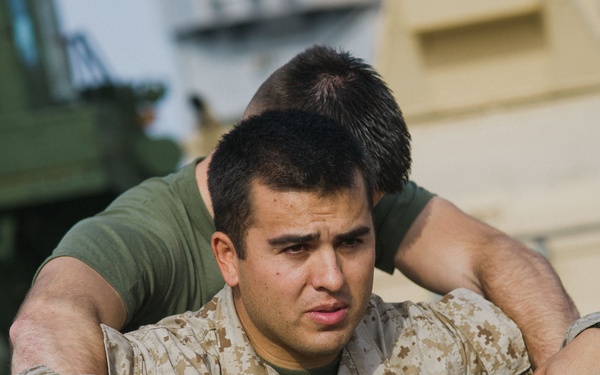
(445, 249)
(58, 325)
(150, 257)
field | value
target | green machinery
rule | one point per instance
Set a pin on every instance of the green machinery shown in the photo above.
(65, 153)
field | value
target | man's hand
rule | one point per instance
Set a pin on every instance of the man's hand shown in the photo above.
(446, 249)
(58, 325)
(577, 358)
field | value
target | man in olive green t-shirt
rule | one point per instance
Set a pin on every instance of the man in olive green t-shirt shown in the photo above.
(298, 264)
(166, 230)
(147, 255)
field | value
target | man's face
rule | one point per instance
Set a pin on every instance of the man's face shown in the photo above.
(307, 277)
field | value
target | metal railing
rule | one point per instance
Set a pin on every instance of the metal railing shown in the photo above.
(539, 240)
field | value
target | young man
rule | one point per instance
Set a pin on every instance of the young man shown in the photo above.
(295, 242)
(148, 255)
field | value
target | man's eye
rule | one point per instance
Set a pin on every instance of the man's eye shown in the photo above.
(295, 249)
(351, 242)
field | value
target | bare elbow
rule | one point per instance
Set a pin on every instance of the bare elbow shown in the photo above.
(25, 342)
(45, 334)
(23, 326)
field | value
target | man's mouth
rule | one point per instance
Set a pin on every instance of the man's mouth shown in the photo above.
(328, 315)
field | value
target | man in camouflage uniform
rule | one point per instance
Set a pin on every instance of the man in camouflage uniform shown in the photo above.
(291, 192)
(460, 334)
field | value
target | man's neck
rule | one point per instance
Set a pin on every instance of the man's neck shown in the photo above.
(201, 173)
(329, 369)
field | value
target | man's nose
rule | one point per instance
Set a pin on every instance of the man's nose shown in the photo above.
(327, 271)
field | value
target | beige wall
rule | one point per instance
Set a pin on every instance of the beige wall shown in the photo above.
(503, 102)
(450, 56)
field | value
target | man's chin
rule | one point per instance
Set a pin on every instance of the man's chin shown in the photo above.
(328, 343)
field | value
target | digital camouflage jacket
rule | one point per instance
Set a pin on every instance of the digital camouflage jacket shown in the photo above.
(460, 334)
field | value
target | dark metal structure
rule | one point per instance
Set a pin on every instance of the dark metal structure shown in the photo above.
(66, 150)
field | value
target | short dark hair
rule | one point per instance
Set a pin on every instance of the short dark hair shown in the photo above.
(345, 88)
(287, 151)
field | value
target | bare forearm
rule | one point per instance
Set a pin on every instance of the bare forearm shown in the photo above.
(66, 341)
(447, 249)
(578, 357)
(58, 325)
(526, 287)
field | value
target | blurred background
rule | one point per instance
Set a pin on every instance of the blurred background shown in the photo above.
(502, 100)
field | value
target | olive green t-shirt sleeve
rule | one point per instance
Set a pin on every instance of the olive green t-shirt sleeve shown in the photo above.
(152, 248)
(393, 216)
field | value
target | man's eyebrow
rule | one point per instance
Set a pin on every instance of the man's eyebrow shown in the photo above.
(293, 238)
(354, 233)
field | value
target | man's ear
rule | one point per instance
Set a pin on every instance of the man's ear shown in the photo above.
(226, 258)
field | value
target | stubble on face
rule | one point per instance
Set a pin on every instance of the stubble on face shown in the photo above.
(307, 276)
